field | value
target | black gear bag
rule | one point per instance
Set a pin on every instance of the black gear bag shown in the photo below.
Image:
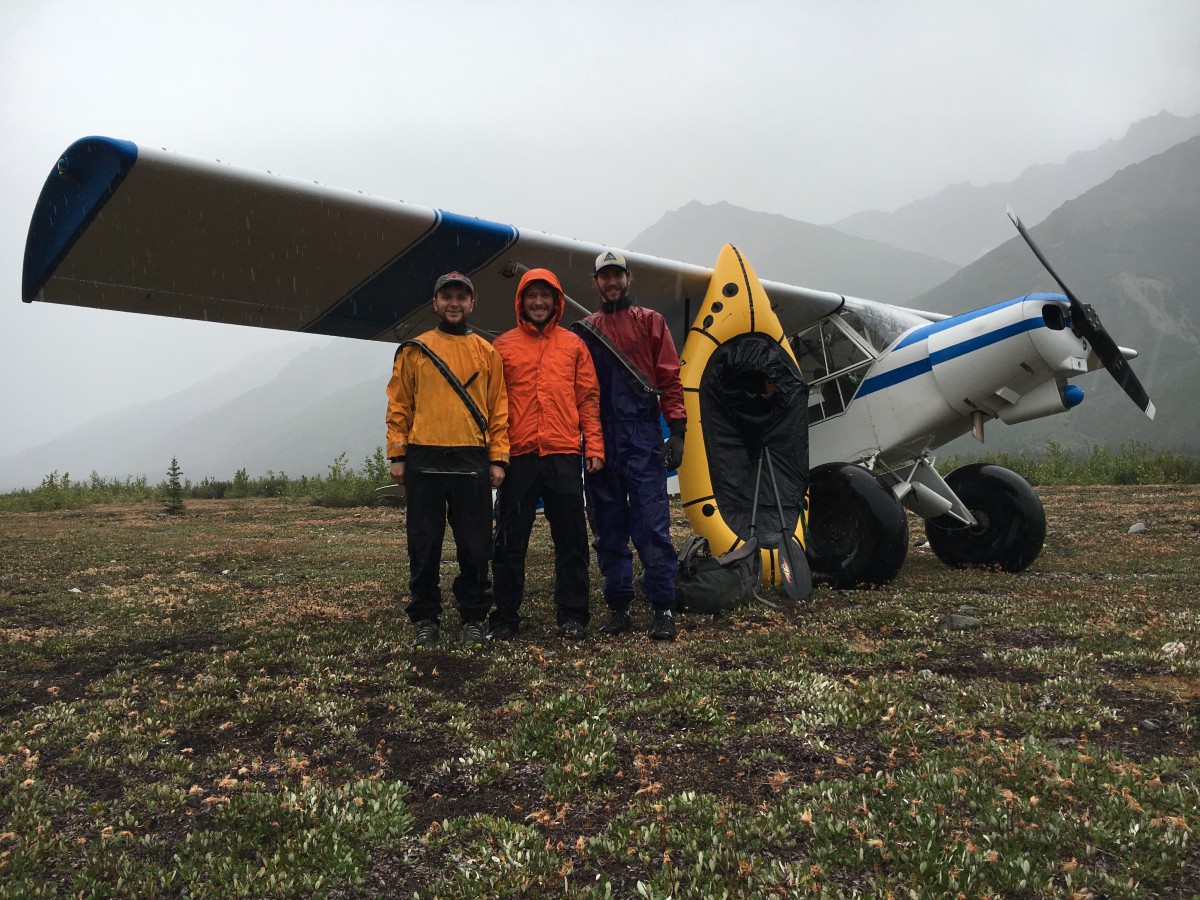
(710, 584)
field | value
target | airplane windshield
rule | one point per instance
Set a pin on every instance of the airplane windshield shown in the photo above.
(834, 356)
(881, 325)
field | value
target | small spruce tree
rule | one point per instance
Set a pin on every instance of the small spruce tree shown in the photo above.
(240, 486)
(174, 492)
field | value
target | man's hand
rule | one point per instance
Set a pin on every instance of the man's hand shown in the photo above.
(397, 472)
(593, 464)
(671, 454)
(497, 473)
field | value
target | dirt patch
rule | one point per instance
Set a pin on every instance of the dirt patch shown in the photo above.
(1028, 638)
(447, 794)
(67, 680)
(1149, 725)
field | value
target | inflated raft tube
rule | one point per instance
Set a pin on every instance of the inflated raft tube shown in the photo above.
(743, 391)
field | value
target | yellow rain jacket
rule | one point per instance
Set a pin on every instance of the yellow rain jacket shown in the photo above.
(423, 408)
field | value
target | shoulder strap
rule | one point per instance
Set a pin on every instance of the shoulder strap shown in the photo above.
(622, 360)
(452, 379)
(695, 546)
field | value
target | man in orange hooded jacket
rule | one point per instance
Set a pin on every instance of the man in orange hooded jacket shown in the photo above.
(554, 402)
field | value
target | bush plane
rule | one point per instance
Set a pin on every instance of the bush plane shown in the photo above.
(124, 227)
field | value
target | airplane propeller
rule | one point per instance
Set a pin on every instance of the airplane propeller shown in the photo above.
(1085, 322)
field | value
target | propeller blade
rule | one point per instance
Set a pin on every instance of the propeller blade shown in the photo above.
(1085, 322)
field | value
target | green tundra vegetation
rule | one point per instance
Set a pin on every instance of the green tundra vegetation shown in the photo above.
(224, 702)
(344, 486)
(341, 486)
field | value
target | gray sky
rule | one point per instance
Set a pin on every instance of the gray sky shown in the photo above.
(588, 120)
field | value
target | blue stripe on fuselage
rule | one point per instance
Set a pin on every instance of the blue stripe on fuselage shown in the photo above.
(895, 376)
(921, 366)
(925, 330)
(454, 242)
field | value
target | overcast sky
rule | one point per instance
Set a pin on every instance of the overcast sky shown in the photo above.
(588, 120)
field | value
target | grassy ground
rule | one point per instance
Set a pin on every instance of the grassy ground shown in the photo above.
(225, 703)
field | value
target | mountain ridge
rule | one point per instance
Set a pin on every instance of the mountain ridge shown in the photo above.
(792, 251)
(1131, 248)
(963, 221)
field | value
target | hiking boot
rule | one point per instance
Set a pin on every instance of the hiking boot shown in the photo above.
(572, 630)
(473, 636)
(618, 622)
(427, 635)
(663, 628)
(503, 631)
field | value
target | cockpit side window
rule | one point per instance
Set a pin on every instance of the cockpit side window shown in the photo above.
(833, 357)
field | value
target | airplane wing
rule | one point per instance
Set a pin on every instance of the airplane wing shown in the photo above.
(124, 227)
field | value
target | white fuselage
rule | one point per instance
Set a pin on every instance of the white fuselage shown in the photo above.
(935, 380)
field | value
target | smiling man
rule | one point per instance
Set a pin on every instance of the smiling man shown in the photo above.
(638, 370)
(447, 440)
(554, 431)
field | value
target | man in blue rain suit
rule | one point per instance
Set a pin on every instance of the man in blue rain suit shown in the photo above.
(638, 370)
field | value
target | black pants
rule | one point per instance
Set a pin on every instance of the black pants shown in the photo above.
(466, 499)
(557, 480)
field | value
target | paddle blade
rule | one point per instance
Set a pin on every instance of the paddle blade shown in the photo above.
(793, 569)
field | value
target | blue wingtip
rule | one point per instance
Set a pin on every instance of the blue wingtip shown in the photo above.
(81, 182)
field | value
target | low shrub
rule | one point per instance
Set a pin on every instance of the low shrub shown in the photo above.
(1134, 463)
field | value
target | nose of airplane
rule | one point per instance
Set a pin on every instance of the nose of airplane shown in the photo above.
(1085, 322)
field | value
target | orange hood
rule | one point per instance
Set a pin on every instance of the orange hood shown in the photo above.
(559, 302)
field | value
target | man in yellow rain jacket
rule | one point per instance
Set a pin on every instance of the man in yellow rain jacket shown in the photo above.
(447, 441)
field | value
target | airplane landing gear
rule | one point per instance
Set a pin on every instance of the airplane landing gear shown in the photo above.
(858, 531)
(1011, 520)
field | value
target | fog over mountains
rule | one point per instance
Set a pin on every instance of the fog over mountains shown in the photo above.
(783, 249)
(1122, 226)
(976, 212)
(1131, 248)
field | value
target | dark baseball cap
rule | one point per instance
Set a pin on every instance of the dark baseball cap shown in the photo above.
(453, 278)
